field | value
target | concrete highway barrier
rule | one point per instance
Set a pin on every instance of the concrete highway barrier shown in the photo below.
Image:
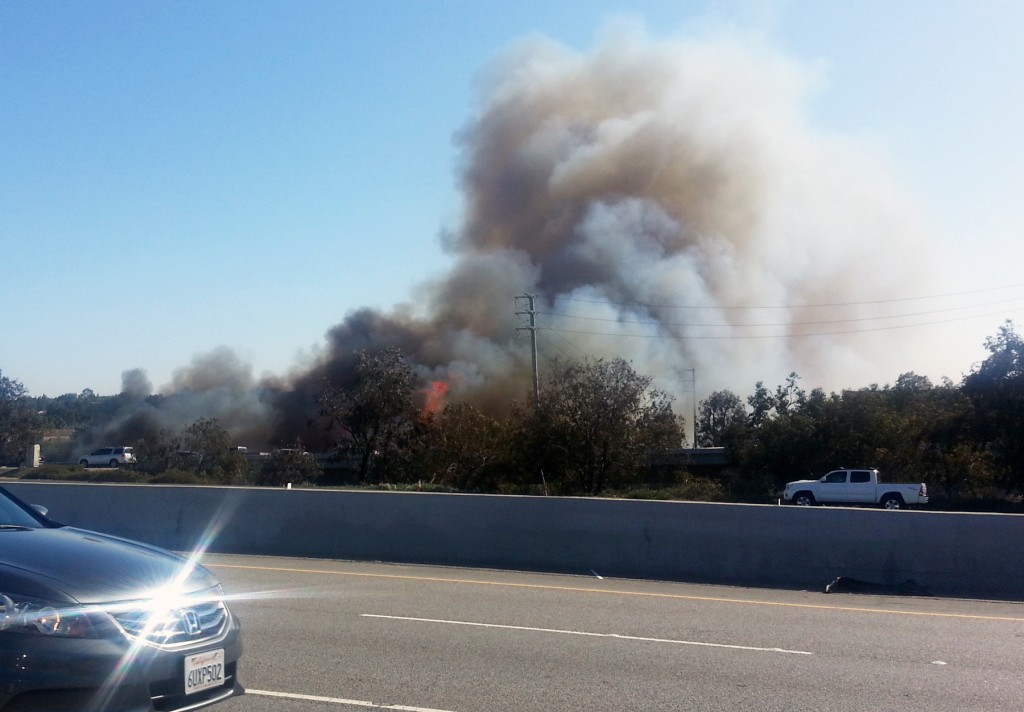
(946, 554)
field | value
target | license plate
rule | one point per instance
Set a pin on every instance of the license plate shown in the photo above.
(203, 671)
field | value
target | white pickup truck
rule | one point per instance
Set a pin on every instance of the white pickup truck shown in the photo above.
(855, 486)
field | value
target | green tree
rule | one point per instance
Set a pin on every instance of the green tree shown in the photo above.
(374, 411)
(956, 466)
(597, 424)
(996, 390)
(68, 410)
(914, 431)
(761, 404)
(720, 415)
(18, 421)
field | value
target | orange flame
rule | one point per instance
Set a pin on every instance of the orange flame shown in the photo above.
(435, 395)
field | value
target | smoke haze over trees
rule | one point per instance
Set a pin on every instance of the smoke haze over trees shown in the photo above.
(668, 204)
(599, 426)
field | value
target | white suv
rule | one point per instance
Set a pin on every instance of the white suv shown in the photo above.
(108, 456)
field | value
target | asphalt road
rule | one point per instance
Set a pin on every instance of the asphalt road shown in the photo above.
(334, 636)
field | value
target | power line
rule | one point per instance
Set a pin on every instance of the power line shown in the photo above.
(793, 323)
(794, 306)
(776, 336)
(566, 341)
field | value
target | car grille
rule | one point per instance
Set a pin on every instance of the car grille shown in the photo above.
(202, 620)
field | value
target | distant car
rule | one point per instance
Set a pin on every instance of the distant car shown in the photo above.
(90, 622)
(108, 457)
(186, 457)
(286, 451)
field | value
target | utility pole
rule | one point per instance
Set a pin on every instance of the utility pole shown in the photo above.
(532, 328)
(531, 312)
(693, 375)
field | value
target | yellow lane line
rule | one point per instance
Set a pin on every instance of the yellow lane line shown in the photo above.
(617, 592)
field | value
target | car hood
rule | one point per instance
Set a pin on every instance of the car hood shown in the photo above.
(76, 565)
(800, 482)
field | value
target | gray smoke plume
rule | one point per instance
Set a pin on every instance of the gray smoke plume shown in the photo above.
(215, 385)
(135, 384)
(667, 203)
(652, 193)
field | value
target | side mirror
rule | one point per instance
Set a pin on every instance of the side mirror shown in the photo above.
(41, 509)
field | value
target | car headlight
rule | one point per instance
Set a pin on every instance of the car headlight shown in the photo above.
(32, 616)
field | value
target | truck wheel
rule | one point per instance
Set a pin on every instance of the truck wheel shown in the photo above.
(803, 499)
(892, 501)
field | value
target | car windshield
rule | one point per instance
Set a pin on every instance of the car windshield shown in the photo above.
(13, 515)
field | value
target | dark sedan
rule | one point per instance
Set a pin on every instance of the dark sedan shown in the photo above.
(94, 623)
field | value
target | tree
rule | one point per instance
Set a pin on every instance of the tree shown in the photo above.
(374, 410)
(18, 421)
(786, 400)
(596, 425)
(68, 410)
(721, 414)
(996, 389)
(156, 451)
(460, 447)
(207, 441)
(910, 382)
(761, 404)
(205, 447)
(952, 459)
(789, 396)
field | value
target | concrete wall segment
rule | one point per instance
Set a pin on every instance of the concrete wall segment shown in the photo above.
(746, 545)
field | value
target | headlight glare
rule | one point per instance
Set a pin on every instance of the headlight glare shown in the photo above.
(19, 614)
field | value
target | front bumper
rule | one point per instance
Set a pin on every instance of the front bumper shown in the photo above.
(48, 674)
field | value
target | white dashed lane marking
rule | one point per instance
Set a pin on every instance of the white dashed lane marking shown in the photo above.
(340, 701)
(593, 635)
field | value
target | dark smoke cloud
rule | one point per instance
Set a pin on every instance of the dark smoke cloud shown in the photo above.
(620, 185)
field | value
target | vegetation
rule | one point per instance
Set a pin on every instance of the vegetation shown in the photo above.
(961, 440)
(460, 449)
(18, 421)
(595, 426)
(373, 414)
(599, 429)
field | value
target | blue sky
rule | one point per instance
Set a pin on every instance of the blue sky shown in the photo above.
(176, 177)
